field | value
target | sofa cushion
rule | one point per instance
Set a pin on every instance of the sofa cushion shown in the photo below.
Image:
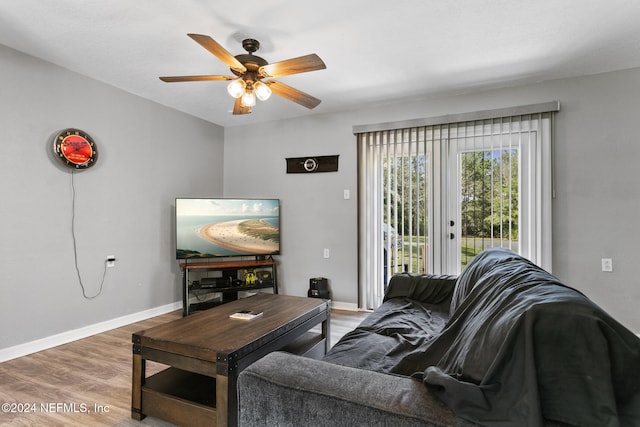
(428, 288)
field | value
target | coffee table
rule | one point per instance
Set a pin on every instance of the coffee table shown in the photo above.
(206, 351)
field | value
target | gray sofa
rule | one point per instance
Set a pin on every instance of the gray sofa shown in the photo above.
(503, 344)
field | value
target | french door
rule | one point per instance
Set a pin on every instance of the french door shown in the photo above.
(433, 197)
(486, 197)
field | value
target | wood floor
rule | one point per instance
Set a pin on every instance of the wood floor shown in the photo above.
(88, 382)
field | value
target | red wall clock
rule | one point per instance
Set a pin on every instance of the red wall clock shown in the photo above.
(75, 149)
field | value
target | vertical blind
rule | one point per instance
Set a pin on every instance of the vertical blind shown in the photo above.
(452, 179)
(395, 189)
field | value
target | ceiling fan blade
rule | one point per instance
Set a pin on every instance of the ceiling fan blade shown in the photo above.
(292, 94)
(238, 108)
(298, 65)
(174, 79)
(223, 55)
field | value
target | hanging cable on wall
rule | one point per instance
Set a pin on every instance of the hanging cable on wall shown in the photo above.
(75, 245)
(77, 151)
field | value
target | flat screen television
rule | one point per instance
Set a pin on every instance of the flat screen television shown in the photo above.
(207, 228)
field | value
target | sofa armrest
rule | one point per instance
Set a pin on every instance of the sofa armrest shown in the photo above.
(427, 288)
(283, 389)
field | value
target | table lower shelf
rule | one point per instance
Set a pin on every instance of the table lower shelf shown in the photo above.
(180, 397)
(311, 344)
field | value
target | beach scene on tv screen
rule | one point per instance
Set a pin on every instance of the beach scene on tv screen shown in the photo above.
(227, 227)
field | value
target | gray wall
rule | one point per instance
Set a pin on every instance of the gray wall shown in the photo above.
(594, 212)
(315, 214)
(149, 155)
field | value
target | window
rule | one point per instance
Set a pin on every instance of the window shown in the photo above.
(436, 193)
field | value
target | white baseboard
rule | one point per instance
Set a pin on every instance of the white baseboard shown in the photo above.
(347, 306)
(86, 331)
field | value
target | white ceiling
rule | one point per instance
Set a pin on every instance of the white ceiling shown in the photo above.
(374, 50)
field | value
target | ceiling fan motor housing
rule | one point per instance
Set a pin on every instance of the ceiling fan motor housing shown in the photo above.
(250, 45)
(250, 61)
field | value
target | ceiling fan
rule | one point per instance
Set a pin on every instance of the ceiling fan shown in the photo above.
(250, 70)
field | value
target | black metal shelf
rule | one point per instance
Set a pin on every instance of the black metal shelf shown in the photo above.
(229, 293)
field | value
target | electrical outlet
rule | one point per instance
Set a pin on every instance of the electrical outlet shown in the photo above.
(111, 260)
(326, 253)
(607, 264)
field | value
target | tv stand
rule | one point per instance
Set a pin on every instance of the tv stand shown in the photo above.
(231, 277)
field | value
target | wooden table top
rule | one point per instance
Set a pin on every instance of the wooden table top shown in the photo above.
(204, 334)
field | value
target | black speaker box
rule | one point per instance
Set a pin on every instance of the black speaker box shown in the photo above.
(318, 288)
(312, 164)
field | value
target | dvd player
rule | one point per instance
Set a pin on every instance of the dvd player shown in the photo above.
(214, 282)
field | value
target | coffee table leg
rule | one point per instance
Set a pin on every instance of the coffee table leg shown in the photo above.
(326, 331)
(222, 400)
(139, 367)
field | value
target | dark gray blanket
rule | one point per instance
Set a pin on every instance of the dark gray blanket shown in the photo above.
(519, 347)
(400, 328)
(522, 346)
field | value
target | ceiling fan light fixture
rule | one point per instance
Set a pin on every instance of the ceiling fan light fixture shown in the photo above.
(262, 91)
(249, 99)
(236, 88)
